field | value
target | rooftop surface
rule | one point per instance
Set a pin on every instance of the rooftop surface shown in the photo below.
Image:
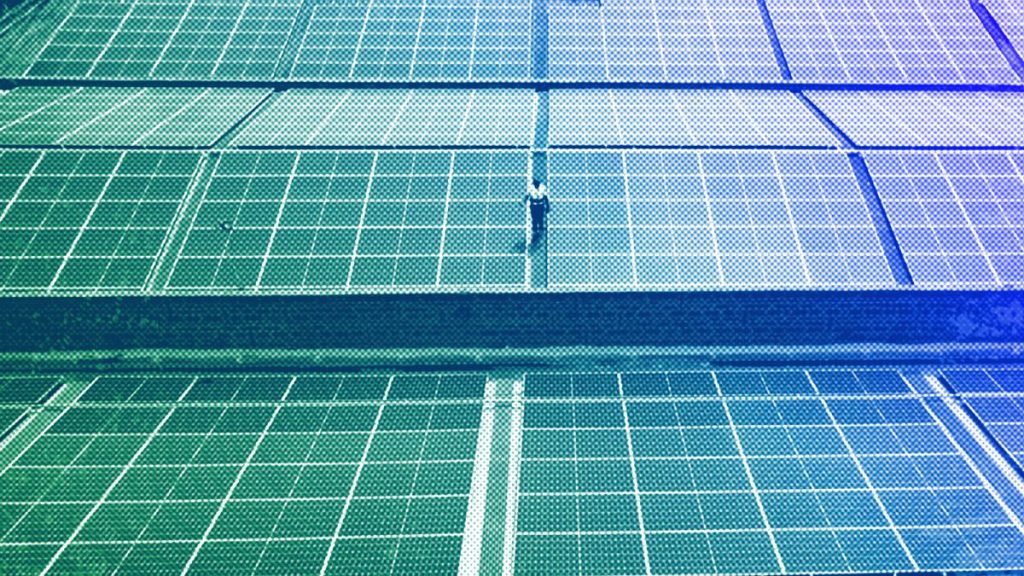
(269, 303)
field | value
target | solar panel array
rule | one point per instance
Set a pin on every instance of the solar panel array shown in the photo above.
(1010, 17)
(726, 472)
(401, 39)
(367, 118)
(351, 474)
(693, 473)
(167, 39)
(735, 118)
(926, 119)
(956, 215)
(630, 40)
(997, 398)
(152, 117)
(18, 395)
(710, 219)
(268, 147)
(317, 220)
(888, 42)
(87, 220)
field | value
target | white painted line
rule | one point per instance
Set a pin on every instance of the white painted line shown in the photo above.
(473, 533)
(512, 495)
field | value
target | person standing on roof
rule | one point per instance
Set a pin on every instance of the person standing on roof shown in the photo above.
(538, 205)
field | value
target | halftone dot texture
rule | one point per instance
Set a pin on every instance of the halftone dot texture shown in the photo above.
(371, 160)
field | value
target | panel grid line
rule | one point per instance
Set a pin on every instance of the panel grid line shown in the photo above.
(234, 484)
(355, 479)
(750, 480)
(636, 485)
(867, 480)
(110, 488)
(85, 224)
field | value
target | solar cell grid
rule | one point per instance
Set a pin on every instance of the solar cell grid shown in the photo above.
(734, 118)
(123, 481)
(19, 394)
(121, 116)
(406, 39)
(296, 221)
(19, 390)
(495, 118)
(887, 41)
(926, 119)
(709, 219)
(957, 216)
(168, 39)
(645, 40)
(986, 381)
(709, 482)
(996, 396)
(87, 220)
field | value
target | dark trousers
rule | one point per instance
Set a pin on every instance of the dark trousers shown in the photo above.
(537, 215)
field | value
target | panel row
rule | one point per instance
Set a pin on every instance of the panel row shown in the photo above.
(858, 41)
(147, 474)
(315, 220)
(194, 118)
(298, 221)
(184, 117)
(734, 485)
(769, 472)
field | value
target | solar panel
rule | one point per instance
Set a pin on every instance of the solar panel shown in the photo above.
(710, 219)
(95, 116)
(25, 33)
(692, 473)
(929, 119)
(323, 221)
(997, 398)
(486, 118)
(888, 41)
(978, 381)
(270, 474)
(957, 215)
(25, 389)
(733, 118)
(635, 40)
(87, 220)
(18, 394)
(408, 40)
(168, 39)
